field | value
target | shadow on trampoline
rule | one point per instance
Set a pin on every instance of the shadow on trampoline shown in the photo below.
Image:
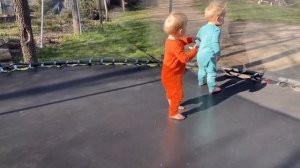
(78, 97)
(292, 161)
(70, 83)
(229, 88)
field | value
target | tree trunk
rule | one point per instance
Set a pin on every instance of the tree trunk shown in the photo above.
(66, 4)
(123, 5)
(76, 19)
(23, 20)
(106, 10)
(100, 14)
(1, 6)
(170, 6)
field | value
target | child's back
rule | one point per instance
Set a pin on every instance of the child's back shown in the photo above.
(209, 45)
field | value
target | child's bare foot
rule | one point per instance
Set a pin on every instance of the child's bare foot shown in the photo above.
(216, 90)
(202, 83)
(177, 117)
(181, 108)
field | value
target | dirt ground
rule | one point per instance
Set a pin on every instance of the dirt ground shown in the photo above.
(255, 46)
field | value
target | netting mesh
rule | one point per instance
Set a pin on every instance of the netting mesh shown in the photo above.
(257, 35)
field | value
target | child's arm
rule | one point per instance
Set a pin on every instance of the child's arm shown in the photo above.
(185, 57)
(216, 42)
(188, 40)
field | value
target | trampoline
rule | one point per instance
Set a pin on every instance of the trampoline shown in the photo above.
(115, 116)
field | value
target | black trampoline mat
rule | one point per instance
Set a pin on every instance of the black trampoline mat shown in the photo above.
(116, 117)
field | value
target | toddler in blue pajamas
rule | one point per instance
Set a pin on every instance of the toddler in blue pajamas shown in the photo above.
(209, 51)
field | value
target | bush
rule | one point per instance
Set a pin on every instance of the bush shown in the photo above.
(36, 7)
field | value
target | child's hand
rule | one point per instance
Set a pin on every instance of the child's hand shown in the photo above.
(194, 39)
(195, 46)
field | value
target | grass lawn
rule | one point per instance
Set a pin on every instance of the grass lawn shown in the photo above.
(249, 10)
(133, 35)
(8, 29)
(129, 35)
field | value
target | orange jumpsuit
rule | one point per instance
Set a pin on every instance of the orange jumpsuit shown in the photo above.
(173, 69)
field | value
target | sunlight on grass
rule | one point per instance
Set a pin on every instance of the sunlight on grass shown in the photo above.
(244, 10)
(130, 35)
(249, 10)
(133, 34)
(8, 30)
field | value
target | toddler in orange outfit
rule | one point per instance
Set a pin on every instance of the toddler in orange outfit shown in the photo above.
(174, 61)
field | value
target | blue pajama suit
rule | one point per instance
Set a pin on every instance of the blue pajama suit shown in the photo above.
(209, 49)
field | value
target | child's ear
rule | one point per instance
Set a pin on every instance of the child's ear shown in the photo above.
(181, 31)
(216, 19)
(220, 19)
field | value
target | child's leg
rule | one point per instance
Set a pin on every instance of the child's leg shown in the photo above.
(211, 76)
(201, 76)
(201, 73)
(175, 97)
(179, 107)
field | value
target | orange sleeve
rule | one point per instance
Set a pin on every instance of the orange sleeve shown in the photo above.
(182, 56)
(187, 40)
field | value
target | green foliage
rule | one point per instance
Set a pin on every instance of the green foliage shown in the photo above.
(8, 30)
(36, 7)
(132, 35)
(88, 7)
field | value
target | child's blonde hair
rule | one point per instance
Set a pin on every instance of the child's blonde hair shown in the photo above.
(214, 9)
(174, 22)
